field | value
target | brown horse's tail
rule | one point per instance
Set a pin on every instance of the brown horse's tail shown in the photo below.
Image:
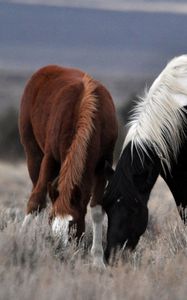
(73, 167)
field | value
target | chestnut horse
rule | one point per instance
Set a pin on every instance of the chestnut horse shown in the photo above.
(68, 128)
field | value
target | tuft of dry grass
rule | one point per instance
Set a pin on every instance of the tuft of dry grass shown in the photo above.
(34, 265)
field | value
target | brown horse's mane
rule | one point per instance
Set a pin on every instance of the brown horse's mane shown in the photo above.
(73, 166)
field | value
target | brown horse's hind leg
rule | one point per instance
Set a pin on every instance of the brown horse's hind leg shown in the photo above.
(98, 190)
(34, 158)
(81, 202)
(77, 227)
(33, 152)
(37, 199)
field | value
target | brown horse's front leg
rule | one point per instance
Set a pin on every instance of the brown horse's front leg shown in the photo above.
(77, 228)
(37, 199)
(72, 225)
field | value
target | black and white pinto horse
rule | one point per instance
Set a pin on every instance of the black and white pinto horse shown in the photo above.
(156, 143)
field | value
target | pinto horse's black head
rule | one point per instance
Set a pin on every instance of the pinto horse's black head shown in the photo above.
(126, 197)
(126, 223)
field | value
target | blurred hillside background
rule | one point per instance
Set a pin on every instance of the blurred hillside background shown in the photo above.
(125, 44)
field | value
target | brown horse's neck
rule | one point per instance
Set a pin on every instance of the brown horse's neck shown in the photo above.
(73, 167)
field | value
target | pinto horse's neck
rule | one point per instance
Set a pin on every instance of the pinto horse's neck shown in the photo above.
(135, 175)
(158, 128)
(177, 179)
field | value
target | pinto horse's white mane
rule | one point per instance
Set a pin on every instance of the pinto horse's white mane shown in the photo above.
(159, 118)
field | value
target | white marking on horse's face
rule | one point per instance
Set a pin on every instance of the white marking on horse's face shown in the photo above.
(60, 227)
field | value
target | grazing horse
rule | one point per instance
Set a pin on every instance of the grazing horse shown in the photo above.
(156, 143)
(68, 128)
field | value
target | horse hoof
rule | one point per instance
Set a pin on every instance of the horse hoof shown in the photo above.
(99, 264)
(60, 228)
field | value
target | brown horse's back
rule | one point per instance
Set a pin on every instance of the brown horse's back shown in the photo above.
(43, 97)
(50, 105)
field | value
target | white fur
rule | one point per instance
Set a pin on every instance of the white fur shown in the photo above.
(60, 227)
(97, 247)
(162, 107)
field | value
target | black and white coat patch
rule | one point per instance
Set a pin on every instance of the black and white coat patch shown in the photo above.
(156, 143)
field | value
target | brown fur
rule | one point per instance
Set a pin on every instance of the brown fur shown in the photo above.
(74, 164)
(68, 128)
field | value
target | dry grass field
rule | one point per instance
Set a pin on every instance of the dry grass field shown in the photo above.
(33, 265)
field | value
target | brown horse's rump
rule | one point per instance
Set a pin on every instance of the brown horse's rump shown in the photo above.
(68, 129)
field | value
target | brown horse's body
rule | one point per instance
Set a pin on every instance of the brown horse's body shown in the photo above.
(68, 129)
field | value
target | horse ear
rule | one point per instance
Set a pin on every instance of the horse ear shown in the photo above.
(108, 170)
